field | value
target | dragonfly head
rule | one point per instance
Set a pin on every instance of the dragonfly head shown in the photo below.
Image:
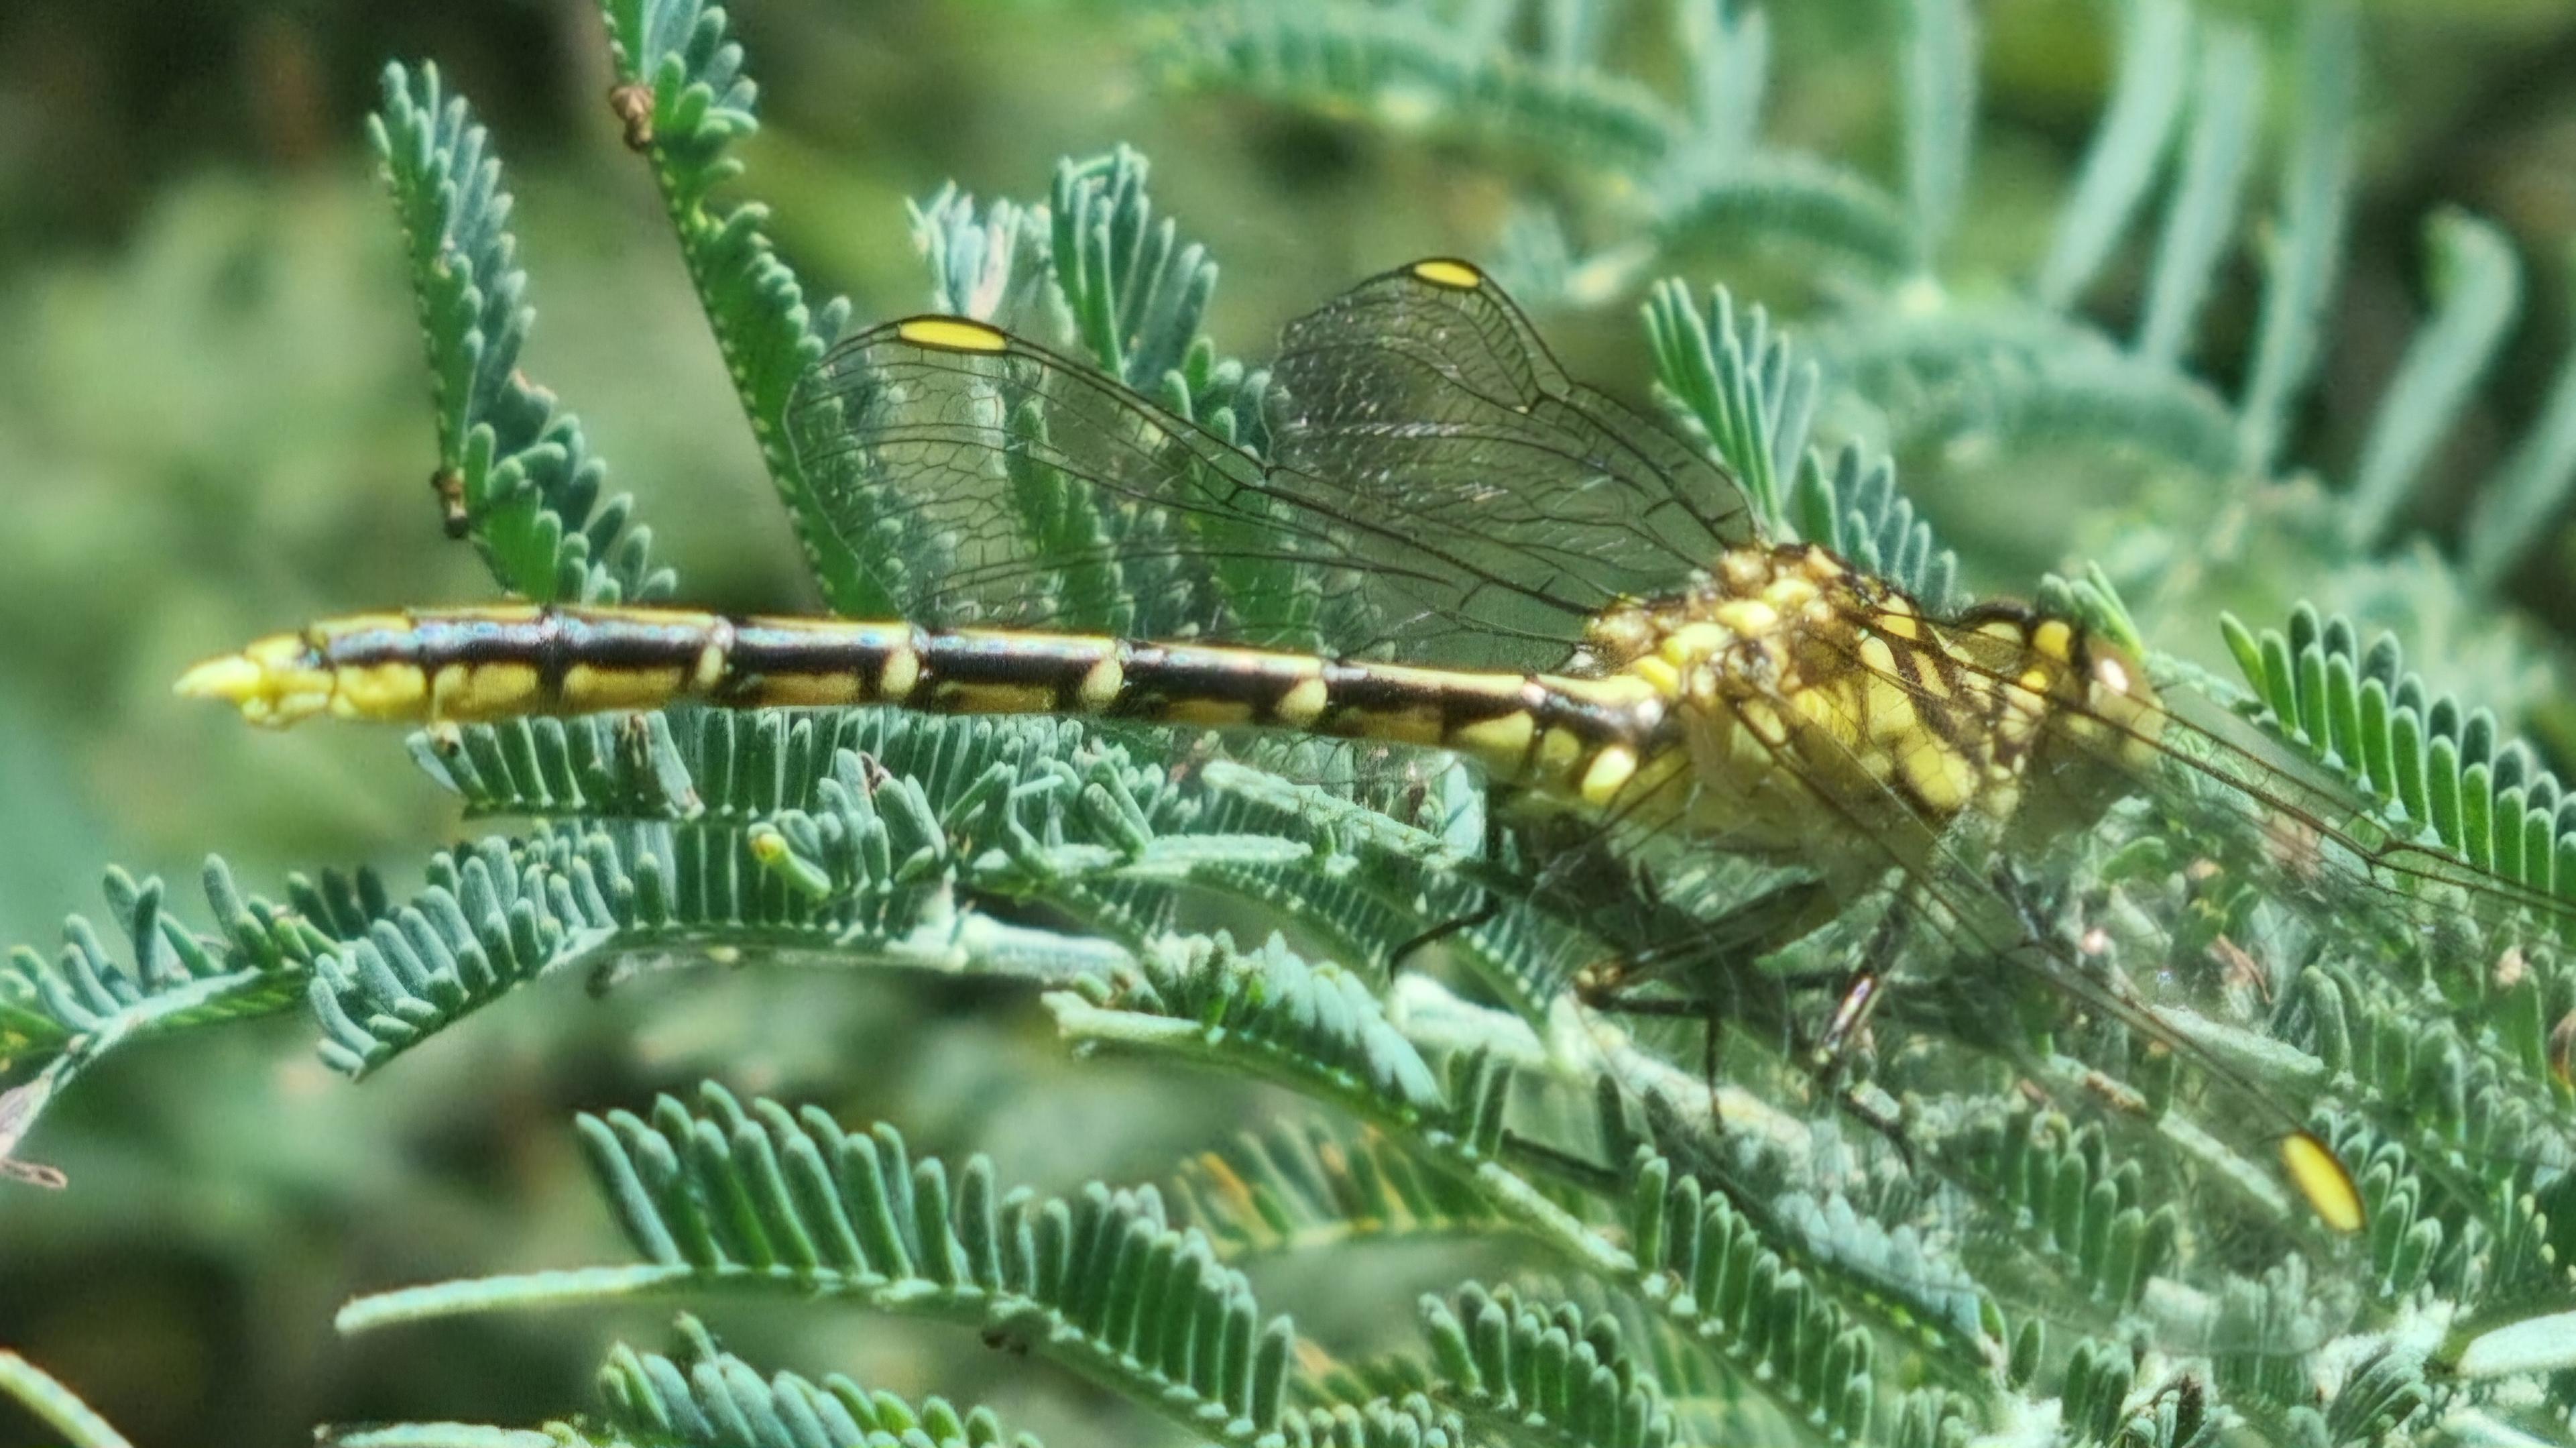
(2098, 732)
(2115, 706)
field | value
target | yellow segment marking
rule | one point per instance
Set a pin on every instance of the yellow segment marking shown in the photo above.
(1747, 616)
(1416, 725)
(1788, 592)
(1505, 738)
(1889, 709)
(1443, 271)
(1831, 708)
(1887, 703)
(381, 691)
(1660, 674)
(1609, 770)
(483, 691)
(902, 670)
(1558, 750)
(994, 698)
(1695, 641)
(586, 686)
(1302, 705)
(2323, 1181)
(951, 334)
(1504, 687)
(1208, 713)
(2054, 638)
(1943, 780)
(810, 691)
(1100, 685)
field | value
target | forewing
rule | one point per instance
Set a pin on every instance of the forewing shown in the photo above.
(1965, 905)
(1428, 389)
(987, 482)
(1439, 490)
(2270, 866)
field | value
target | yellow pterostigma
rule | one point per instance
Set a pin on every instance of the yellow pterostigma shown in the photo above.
(1443, 542)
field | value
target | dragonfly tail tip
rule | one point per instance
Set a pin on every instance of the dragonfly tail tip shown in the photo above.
(264, 692)
(231, 678)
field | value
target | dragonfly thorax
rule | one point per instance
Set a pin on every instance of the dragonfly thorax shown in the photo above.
(1796, 684)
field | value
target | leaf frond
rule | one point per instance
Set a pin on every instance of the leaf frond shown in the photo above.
(2313, 210)
(1539, 1374)
(711, 1398)
(1269, 1011)
(60, 1409)
(679, 69)
(2430, 765)
(1407, 67)
(515, 472)
(758, 1199)
(2128, 146)
(87, 1001)
(1310, 1187)
(990, 263)
(2477, 288)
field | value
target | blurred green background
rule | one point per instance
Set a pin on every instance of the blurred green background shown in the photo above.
(214, 423)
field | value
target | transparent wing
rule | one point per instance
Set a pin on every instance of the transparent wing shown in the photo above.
(1963, 1042)
(1439, 489)
(1444, 396)
(1961, 926)
(2268, 867)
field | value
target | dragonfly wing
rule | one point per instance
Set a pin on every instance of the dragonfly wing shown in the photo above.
(1963, 912)
(1439, 490)
(985, 481)
(1428, 387)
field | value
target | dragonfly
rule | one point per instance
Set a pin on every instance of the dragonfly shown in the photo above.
(1444, 542)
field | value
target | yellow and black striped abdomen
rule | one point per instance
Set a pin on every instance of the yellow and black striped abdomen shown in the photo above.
(466, 665)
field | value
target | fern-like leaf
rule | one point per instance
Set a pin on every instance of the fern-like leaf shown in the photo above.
(712, 1399)
(762, 1199)
(1414, 68)
(515, 472)
(1285, 1190)
(1547, 1378)
(2430, 763)
(173, 977)
(680, 70)
(2477, 287)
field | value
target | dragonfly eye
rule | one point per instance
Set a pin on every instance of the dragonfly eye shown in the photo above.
(2118, 694)
(2114, 674)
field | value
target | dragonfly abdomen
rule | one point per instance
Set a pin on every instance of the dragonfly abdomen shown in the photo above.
(475, 664)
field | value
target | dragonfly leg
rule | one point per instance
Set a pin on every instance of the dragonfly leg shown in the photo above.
(1489, 906)
(1854, 1004)
(1454, 925)
(1889, 1125)
(1603, 987)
